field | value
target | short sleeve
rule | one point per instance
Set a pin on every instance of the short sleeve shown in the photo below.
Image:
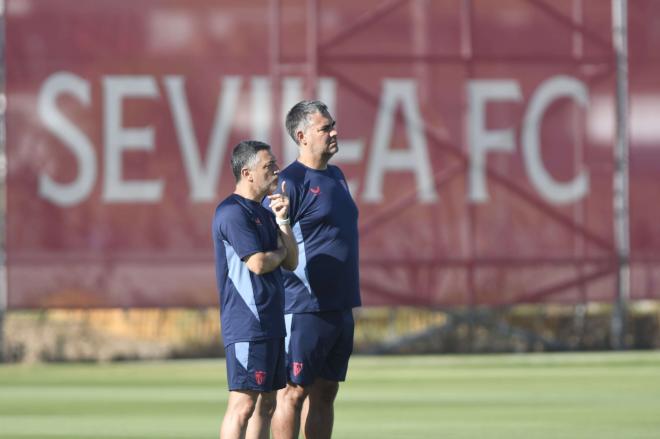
(239, 229)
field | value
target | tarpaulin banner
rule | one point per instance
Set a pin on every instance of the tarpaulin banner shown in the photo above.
(477, 138)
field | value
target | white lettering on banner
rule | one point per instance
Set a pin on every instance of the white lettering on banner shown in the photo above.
(291, 93)
(350, 150)
(262, 106)
(481, 140)
(414, 159)
(74, 139)
(119, 139)
(203, 179)
(552, 89)
(203, 173)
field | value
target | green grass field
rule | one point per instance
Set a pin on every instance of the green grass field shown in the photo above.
(590, 395)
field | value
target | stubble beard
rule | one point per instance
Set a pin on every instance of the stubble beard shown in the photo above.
(332, 150)
(272, 187)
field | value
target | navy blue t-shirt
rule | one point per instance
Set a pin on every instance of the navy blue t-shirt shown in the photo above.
(251, 305)
(324, 219)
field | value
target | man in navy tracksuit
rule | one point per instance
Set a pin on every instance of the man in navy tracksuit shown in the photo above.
(324, 288)
(251, 242)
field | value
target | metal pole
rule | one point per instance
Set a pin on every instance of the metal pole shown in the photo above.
(420, 15)
(3, 187)
(621, 172)
(313, 24)
(467, 53)
(579, 209)
(275, 35)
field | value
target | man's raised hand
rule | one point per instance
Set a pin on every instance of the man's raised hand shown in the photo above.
(279, 203)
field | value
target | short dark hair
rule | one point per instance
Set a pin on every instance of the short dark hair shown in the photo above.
(245, 155)
(298, 117)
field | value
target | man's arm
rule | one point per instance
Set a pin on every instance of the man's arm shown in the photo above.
(279, 204)
(265, 262)
(241, 234)
(290, 262)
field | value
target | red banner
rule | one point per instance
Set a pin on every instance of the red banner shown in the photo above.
(478, 141)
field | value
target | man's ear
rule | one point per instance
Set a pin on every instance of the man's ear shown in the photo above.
(300, 136)
(245, 173)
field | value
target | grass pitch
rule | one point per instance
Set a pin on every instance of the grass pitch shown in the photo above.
(591, 395)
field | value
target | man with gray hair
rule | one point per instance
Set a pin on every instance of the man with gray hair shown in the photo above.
(322, 291)
(250, 245)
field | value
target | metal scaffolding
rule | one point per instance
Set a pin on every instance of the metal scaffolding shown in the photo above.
(311, 67)
(319, 59)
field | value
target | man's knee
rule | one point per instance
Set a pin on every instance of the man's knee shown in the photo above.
(293, 395)
(324, 391)
(242, 408)
(267, 404)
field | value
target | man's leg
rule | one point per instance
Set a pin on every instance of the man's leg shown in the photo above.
(239, 409)
(260, 367)
(259, 423)
(320, 413)
(303, 414)
(319, 420)
(286, 420)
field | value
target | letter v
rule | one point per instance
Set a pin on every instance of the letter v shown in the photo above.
(203, 179)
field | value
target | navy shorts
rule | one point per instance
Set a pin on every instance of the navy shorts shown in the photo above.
(318, 344)
(256, 365)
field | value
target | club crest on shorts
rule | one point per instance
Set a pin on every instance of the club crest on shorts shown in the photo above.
(260, 376)
(297, 368)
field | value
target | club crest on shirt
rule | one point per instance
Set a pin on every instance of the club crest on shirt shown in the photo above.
(260, 377)
(297, 368)
(257, 221)
(315, 190)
